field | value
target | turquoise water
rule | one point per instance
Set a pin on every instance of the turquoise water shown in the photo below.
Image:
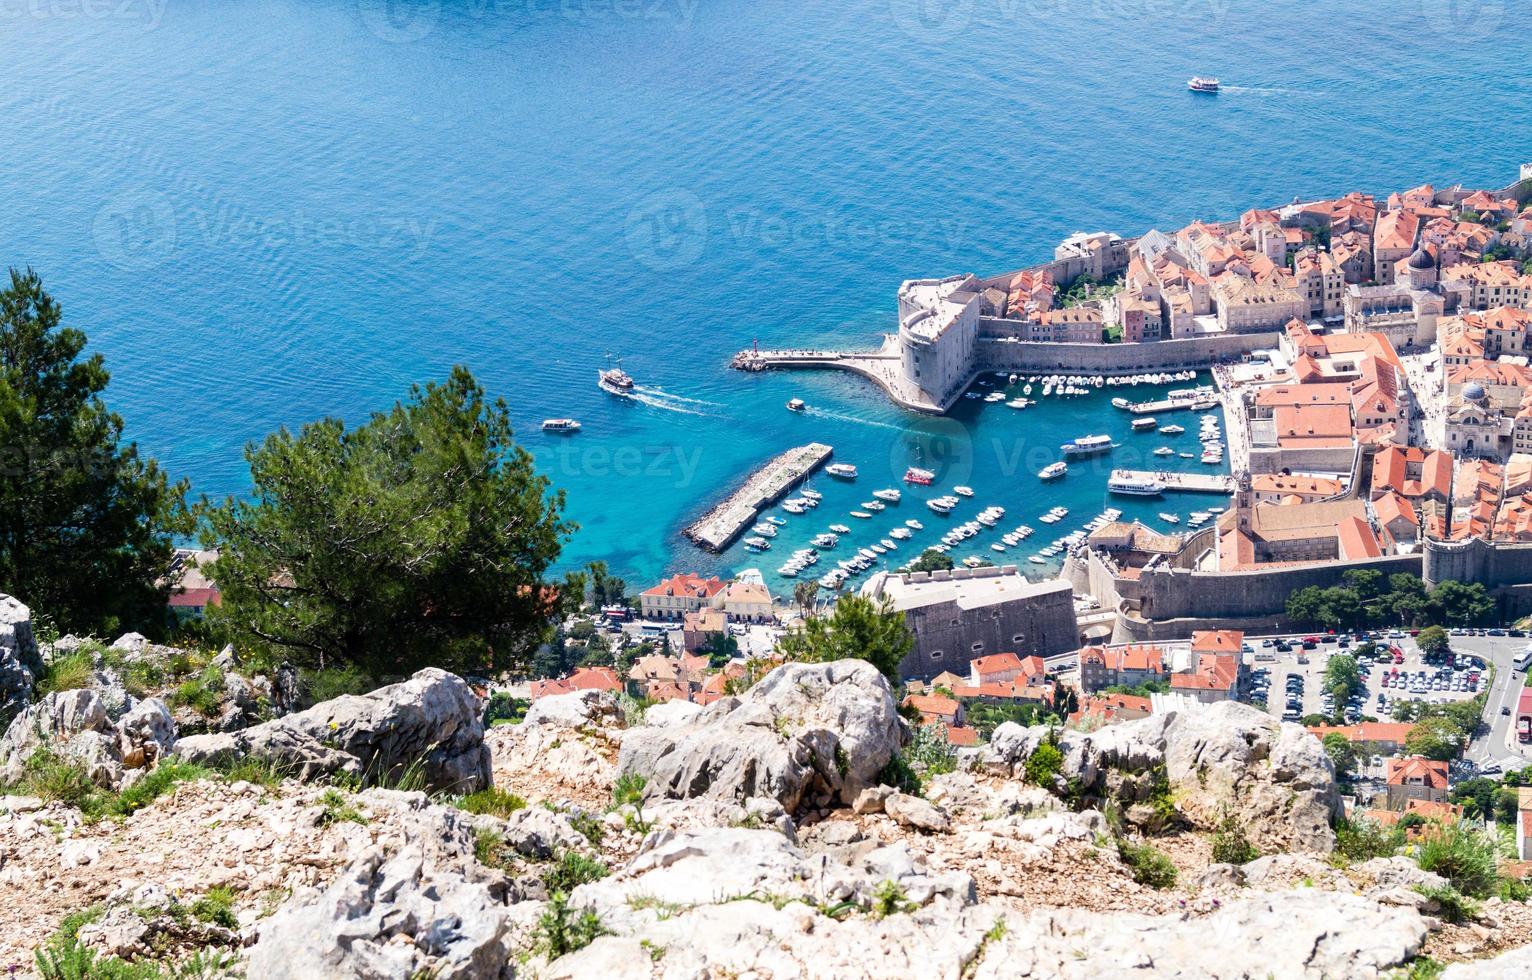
(266, 212)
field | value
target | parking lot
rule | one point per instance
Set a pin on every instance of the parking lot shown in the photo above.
(1294, 689)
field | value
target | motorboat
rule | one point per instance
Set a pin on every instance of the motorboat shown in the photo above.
(919, 477)
(757, 544)
(1164, 451)
(1203, 84)
(796, 405)
(795, 506)
(914, 525)
(889, 494)
(963, 491)
(862, 514)
(1173, 430)
(1188, 455)
(842, 471)
(1171, 518)
(1145, 425)
(765, 530)
(940, 505)
(825, 541)
(901, 533)
(1120, 403)
(1036, 560)
(1088, 445)
(774, 519)
(873, 505)
(561, 426)
(813, 495)
(840, 529)
(1053, 471)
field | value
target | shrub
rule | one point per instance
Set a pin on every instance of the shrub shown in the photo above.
(888, 899)
(1464, 856)
(493, 801)
(1148, 865)
(1231, 846)
(325, 685)
(53, 778)
(930, 752)
(202, 693)
(561, 930)
(252, 769)
(1364, 840)
(216, 907)
(501, 708)
(571, 870)
(1044, 764)
(334, 808)
(70, 672)
(898, 774)
(160, 780)
(1451, 905)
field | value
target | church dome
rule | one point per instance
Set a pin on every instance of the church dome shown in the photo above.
(1473, 391)
(1422, 259)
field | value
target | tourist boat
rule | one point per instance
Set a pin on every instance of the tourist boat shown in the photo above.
(918, 476)
(843, 471)
(1215, 510)
(1135, 486)
(1171, 518)
(873, 505)
(1173, 430)
(864, 515)
(614, 380)
(914, 525)
(1164, 451)
(825, 541)
(889, 494)
(1200, 83)
(963, 491)
(1144, 425)
(562, 426)
(1087, 446)
(1053, 471)
(1204, 403)
(1120, 403)
(796, 405)
(840, 529)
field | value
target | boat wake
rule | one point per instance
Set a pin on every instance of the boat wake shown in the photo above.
(672, 396)
(1255, 90)
(821, 413)
(658, 399)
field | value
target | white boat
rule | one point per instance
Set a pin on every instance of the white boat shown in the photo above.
(1188, 455)
(914, 525)
(1134, 486)
(873, 505)
(789, 571)
(973, 561)
(868, 553)
(765, 530)
(813, 495)
(997, 547)
(1088, 445)
(796, 405)
(1164, 451)
(561, 426)
(878, 549)
(1017, 403)
(1036, 560)
(1026, 389)
(940, 505)
(1053, 471)
(1145, 425)
(757, 544)
(795, 506)
(889, 494)
(1171, 518)
(901, 533)
(825, 541)
(995, 396)
(963, 491)
(615, 381)
(1120, 403)
(774, 519)
(890, 545)
(1173, 430)
(840, 529)
(860, 514)
(843, 471)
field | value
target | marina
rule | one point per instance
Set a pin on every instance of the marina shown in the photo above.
(725, 522)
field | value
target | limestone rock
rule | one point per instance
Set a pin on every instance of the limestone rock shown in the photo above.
(872, 799)
(145, 734)
(574, 710)
(1398, 872)
(1515, 963)
(429, 723)
(388, 917)
(72, 723)
(19, 660)
(671, 714)
(806, 730)
(916, 814)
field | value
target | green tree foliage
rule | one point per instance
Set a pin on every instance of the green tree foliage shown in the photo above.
(1463, 603)
(1433, 639)
(422, 536)
(1342, 754)
(1362, 600)
(804, 595)
(606, 589)
(1434, 738)
(857, 629)
(932, 560)
(87, 527)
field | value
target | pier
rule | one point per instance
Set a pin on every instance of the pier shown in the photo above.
(1170, 405)
(1220, 483)
(738, 511)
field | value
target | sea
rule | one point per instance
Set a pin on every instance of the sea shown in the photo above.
(268, 212)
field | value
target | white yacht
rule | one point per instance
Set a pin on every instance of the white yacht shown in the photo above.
(843, 471)
(1053, 471)
(963, 491)
(889, 494)
(1134, 486)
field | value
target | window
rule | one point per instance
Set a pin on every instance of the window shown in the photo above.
(936, 654)
(1018, 638)
(977, 648)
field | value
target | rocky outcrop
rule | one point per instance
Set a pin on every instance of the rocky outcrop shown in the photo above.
(428, 726)
(1226, 760)
(77, 725)
(806, 734)
(19, 661)
(574, 710)
(384, 917)
(1516, 963)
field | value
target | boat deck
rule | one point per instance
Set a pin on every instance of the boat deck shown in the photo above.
(740, 509)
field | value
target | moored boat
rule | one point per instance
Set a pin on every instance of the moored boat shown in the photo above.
(843, 471)
(1088, 445)
(1053, 471)
(561, 426)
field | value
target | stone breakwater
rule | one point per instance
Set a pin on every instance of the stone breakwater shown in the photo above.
(721, 525)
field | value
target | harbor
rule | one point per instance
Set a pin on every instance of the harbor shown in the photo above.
(1219, 483)
(738, 511)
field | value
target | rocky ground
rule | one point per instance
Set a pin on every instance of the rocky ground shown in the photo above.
(391, 836)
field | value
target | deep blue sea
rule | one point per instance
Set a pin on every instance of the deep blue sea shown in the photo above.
(270, 211)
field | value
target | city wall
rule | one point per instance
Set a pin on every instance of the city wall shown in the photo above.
(997, 354)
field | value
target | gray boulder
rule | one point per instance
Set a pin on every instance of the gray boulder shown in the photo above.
(807, 733)
(20, 663)
(72, 723)
(576, 709)
(1220, 759)
(384, 917)
(146, 733)
(1513, 963)
(429, 724)
(913, 813)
